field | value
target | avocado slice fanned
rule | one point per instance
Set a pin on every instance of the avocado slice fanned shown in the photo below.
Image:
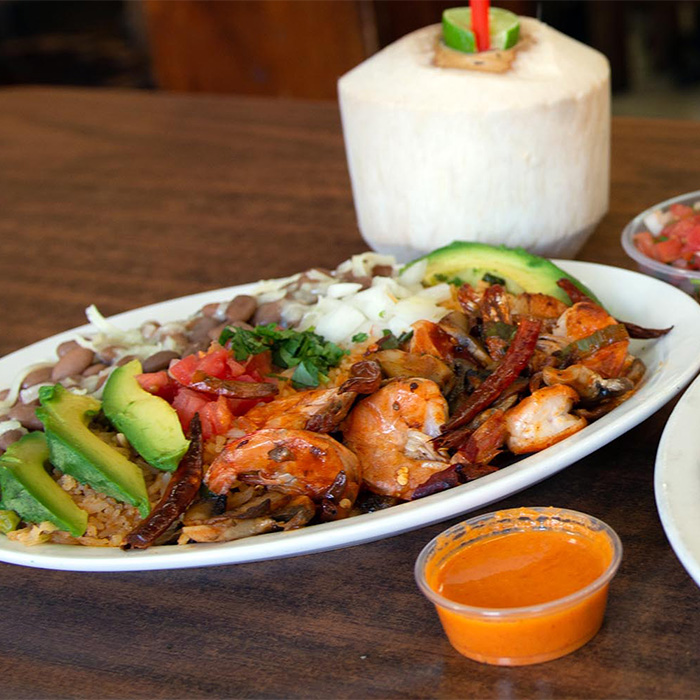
(470, 262)
(29, 490)
(150, 423)
(77, 451)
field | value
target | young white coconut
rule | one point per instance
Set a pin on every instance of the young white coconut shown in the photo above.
(519, 158)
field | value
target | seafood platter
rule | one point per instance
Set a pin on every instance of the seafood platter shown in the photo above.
(325, 409)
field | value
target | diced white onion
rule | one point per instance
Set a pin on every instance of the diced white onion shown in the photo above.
(343, 289)
(7, 425)
(657, 220)
(31, 393)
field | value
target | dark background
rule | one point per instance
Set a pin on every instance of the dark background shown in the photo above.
(299, 48)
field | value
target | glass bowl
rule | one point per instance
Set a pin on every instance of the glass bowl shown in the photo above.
(535, 632)
(687, 280)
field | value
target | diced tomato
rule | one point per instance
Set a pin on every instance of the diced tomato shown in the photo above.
(235, 369)
(645, 242)
(680, 211)
(216, 418)
(678, 244)
(259, 366)
(692, 239)
(183, 370)
(187, 402)
(669, 250)
(683, 228)
(240, 407)
(216, 362)
(215, 412)
(158, 383)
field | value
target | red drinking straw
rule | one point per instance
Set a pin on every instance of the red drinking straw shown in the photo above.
(480, 23)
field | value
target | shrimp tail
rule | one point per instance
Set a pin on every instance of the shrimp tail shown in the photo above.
(365, 378)
(339, 498)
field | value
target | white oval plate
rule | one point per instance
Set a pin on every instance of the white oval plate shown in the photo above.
(677, 480)
(672, 362)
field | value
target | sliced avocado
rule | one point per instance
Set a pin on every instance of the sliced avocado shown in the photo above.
(29, 491)
(521, 271)
(77, 451)
(150, 423)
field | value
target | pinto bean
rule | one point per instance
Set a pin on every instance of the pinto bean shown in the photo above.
(240, 324)
(107, 355)
(159, 361)
(38, 376)
(65, 347)
(8, 437)
(215, 332)
(210, 309)
(382, 271)
(76, 361)
(25, 413)
(94, 369)
(270, 312)
(199, 331)
(241, 308)
(125, 360)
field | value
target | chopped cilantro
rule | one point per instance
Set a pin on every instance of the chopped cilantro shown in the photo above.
(442, 277)
(359, 337)
(391, 342)
(308, 352)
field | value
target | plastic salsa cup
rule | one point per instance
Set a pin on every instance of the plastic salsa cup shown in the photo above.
(520, 634)
(687, 280)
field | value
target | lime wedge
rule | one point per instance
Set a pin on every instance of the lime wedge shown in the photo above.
(504, 29)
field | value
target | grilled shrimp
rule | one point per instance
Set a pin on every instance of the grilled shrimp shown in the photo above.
(430, 339)
(537, 305)
(589, 385)
(583, 320)
(319, 410)
(390, 432)
(542, 419)
(298, 462)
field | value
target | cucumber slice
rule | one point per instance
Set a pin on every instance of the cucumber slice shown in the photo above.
(504, 29)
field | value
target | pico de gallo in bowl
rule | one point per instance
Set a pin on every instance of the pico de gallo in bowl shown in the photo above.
(664, 241)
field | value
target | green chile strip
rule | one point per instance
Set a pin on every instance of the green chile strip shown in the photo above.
(583, 347)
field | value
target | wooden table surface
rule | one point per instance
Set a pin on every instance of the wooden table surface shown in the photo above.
(123, 199)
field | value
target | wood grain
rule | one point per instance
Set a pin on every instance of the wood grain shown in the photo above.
(124, 199)
(292, 48)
